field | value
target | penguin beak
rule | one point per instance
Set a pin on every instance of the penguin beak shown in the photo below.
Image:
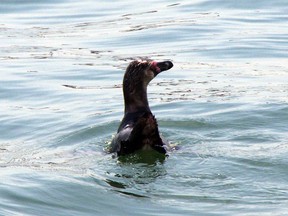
(158, 67)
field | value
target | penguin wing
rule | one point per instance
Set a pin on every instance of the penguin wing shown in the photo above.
(120, 137)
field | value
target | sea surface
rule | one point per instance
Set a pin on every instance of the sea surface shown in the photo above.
(223, 106)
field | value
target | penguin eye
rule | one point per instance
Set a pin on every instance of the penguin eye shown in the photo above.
(155, 68)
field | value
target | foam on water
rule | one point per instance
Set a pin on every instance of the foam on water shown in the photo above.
(223, 106)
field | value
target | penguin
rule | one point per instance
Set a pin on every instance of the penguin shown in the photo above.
(138, 129)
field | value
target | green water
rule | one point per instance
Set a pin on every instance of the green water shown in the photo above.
(223, 104)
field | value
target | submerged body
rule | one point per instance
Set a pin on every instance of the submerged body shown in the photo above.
(139, 129)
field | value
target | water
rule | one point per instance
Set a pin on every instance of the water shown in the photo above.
(224, 104)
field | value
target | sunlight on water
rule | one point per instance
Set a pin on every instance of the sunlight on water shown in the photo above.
(223, 107)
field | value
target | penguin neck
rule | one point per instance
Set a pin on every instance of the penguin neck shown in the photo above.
(136, 101)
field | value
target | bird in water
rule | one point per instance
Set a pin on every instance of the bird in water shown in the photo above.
(139, 129)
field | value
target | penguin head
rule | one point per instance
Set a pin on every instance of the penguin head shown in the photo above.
(141, 72)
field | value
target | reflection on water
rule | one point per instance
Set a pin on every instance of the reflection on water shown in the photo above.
(134, 177)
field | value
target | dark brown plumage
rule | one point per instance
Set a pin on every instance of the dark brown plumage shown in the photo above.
(139, 128)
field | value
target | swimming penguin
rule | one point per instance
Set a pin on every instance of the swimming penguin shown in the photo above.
(139, 128)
